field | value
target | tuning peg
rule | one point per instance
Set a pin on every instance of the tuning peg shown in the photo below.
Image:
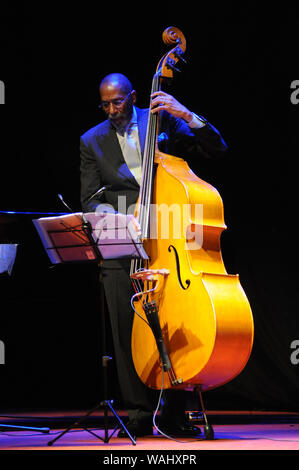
(178, 56)
(175, 68)
(178, 52)
(170, 64)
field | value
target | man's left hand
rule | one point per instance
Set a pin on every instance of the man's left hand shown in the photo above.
(162, 101)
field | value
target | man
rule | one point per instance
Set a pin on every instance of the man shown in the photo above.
(111, 156)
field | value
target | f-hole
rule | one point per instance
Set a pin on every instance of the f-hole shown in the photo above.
(178, 269)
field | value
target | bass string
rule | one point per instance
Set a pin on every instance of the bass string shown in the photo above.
(147, 170)
(146, 179)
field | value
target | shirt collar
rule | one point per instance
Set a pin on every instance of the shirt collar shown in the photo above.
(132, 123)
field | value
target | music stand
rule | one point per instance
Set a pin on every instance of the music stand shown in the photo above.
(91, 237)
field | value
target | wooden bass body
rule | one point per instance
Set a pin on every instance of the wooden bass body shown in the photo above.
(205, 317)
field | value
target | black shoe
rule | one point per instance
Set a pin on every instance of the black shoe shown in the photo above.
(179, 429)
(136, 429)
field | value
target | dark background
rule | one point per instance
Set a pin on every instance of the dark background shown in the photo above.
(241, 61)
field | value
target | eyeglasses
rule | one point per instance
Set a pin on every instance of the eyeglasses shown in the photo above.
(117, 103)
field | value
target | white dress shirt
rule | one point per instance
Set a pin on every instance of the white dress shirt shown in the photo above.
(130, 144)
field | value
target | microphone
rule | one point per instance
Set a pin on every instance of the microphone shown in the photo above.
(64, 203)
(99, 192)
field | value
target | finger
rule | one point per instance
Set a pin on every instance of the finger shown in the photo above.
(159, 93)
(158, 102)
(158, 109)
(159, 106)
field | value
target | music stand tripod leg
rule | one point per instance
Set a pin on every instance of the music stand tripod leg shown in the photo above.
(121, 424)
(76, 423)
(105, 403)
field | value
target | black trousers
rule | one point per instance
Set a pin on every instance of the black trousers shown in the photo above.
(139, 400)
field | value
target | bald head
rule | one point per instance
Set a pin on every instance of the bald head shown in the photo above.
(116, 80)
(118, 98)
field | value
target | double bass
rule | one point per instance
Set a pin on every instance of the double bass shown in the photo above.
(193, 325)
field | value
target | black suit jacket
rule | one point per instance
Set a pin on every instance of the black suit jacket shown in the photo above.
(102, 162)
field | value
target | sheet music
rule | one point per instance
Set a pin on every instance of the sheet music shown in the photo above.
(67, 238)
